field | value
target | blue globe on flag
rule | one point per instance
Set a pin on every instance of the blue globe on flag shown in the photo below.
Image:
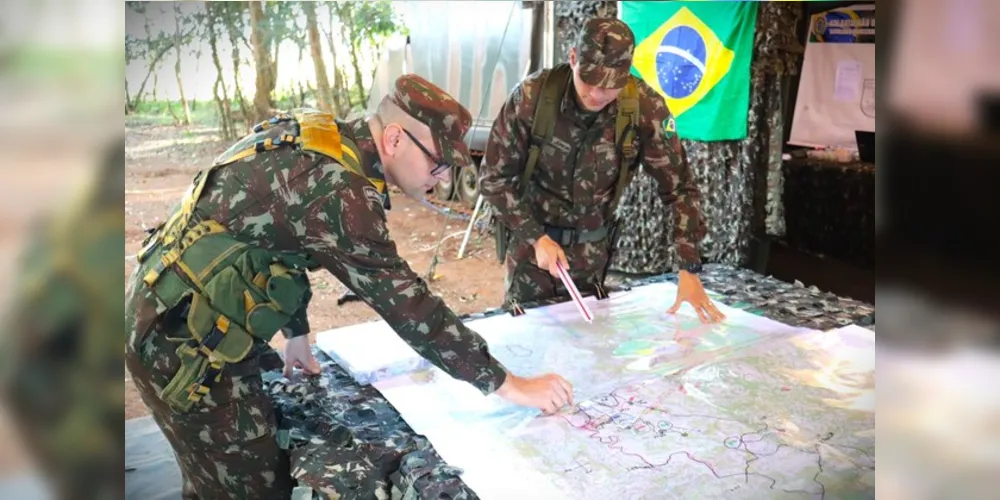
(680, 62)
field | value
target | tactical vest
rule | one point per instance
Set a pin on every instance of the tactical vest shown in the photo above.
(237, 291)
(543, 125)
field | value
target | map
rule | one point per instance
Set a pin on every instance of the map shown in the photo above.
(665, 406)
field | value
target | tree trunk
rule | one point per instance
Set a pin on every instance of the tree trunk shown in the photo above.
(262, 60)
(225, 113)
(358, 79)
(322, 84)
(177, 65)
(151, 72)
(346, 18)
(128, 99)
(170, 108)
(338, 77)
(234, 38)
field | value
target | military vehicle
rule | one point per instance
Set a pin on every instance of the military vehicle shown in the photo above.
(477, 51)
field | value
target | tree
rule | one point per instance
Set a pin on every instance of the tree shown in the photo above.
(262, 59)
(152, 49)
(340, 94)
(178, 43)
(366, 22)
(222, 104)
(231, 14)
(323, 86)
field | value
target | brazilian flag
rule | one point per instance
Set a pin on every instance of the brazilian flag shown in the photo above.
(697, 56)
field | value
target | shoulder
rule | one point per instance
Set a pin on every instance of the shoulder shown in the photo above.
(650, 101)
(529, 90)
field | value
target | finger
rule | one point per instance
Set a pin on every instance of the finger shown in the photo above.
(563, 389)
(567, 389)
(702, 314)
(562, 259)
(556, 404)
(313, 367)
(288, 369)
(675, 307)
(716, 313)
(554, 268)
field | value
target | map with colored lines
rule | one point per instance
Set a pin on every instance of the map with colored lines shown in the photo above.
(666, 407)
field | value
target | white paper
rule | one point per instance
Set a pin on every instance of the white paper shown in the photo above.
(370, 351)
(663, 403)
(847, 86)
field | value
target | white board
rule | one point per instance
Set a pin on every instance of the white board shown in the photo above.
(836, 94)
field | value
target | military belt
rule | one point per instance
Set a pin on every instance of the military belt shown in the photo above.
(567, 236)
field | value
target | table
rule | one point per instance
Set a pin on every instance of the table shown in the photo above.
(346, 440)
(830, 209)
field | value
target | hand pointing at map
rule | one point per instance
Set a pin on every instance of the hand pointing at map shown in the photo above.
(548, 393)
(690, 290)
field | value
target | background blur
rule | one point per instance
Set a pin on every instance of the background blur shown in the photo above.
(937, 232)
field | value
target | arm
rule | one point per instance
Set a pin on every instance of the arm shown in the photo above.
(506, 152)
(666, 161)
(299, 324)
(346, 233)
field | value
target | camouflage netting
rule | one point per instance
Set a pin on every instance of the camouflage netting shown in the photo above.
(727, 171)
(570, 17)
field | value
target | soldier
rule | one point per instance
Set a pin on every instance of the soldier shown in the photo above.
(59, 366)
(587, 139)
(228, 270)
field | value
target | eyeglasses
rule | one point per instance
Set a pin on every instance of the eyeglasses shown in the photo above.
(439, 165)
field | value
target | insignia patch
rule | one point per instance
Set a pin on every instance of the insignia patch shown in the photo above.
(515, 96)
(373, 195)
(670, 127)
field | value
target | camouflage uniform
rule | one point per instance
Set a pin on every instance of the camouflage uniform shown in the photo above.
(61, 373)
(299, 203)
(578, 169)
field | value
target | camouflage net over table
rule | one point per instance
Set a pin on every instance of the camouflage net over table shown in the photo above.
(830, 209)
(346, 441)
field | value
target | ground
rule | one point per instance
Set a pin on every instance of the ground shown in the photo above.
(159, 164)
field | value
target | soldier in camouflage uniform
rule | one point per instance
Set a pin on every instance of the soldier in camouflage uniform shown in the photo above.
(563, 215)
(227, 271)
(59, 368)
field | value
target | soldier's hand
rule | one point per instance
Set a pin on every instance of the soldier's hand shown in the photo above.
(690, 289)
(548, 253)
(298, 354)
(548, 393)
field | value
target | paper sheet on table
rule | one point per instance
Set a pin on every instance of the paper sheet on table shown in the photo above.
(663, 404)
(370, 351)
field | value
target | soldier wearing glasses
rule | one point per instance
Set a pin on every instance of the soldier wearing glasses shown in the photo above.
(227, 270)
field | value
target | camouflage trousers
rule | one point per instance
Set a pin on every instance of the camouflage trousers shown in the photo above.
(226, 444)
(525, 282)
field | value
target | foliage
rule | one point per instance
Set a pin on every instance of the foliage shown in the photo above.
(362, 26)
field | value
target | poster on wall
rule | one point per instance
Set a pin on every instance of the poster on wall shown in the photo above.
(836, 93)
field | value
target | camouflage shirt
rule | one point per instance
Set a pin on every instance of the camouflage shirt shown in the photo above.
(577, 170)
(291, 201)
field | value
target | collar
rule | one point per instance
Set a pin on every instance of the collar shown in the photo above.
(370, 162)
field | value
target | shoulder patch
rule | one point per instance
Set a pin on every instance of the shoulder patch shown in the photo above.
(515, 95)
(373, 195)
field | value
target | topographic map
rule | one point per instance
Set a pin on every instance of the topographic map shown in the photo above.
(665, 407)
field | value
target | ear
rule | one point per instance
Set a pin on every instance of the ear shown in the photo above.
(392, 134)
(572, 57)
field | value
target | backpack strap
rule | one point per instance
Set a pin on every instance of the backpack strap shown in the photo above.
(543, 123)
(626, 128)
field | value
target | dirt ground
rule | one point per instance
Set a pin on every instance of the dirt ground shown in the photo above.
(160, 161)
